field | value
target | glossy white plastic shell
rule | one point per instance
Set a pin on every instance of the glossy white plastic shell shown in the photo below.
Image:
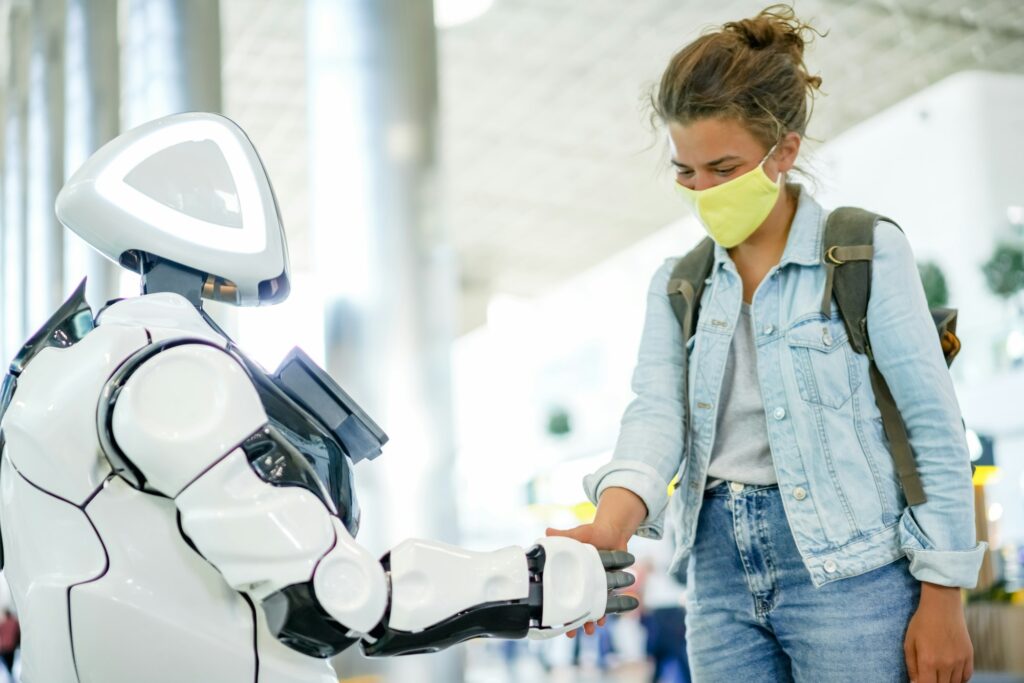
(189, 188)
(181, 411)
(432, 581)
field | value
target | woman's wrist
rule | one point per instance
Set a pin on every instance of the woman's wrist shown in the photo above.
(935, 594)
(622, 511)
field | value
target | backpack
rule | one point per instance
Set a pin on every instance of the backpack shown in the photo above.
(846, 254)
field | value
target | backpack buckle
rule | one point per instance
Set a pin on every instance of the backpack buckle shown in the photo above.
(831, 256)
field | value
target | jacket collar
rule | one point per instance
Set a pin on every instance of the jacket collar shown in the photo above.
(803, 246)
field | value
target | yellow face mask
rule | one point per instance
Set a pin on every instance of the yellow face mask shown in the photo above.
(733, 211)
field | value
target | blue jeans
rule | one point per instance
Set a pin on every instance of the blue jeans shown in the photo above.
(754, 615)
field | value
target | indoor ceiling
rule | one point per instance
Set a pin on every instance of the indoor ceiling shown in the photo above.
(549, 162)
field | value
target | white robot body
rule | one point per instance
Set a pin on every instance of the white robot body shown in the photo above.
(170, 511)
(114, 564)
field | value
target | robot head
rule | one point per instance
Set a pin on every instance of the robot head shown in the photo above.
(186, 193)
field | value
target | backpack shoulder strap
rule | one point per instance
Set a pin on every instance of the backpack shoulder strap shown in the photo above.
(685, 287)
(686, 284)
(847, 250)
(849, 242)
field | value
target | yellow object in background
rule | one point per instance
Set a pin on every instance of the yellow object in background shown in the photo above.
(584, 512)
(985, 473)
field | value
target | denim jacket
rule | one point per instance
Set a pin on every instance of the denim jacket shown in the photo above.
(842, 496)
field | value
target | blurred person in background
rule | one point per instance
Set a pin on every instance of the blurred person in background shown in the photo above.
(804, 560)
(10, 638)
(663, 615)
(10, 631)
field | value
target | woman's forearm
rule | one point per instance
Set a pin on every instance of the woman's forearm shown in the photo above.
(622, 510)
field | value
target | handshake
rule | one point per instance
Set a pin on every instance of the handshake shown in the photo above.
(576, 582)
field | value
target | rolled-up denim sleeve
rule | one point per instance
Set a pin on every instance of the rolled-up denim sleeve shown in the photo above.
(649, 449)
(937, 536)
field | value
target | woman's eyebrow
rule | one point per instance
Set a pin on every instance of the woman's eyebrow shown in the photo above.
(716, 162)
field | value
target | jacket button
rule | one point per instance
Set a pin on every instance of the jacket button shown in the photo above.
(736, 487)
(799, 493)
(780, 413)
(826, 339)
(768, 329)
(830, 566)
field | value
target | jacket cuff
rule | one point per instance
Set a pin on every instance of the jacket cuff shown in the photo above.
(953, 568)
(641, 479)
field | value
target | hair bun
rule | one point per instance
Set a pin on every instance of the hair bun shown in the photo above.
(758, 34)
(774, 27)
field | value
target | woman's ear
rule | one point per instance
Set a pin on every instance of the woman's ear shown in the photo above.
(787, 151)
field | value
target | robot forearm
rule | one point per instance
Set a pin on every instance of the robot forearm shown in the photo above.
(442, 595)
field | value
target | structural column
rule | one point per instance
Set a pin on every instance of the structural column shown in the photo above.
(92, 104)
(172, 58)
(15, 134)
(385, 269)
(92, 99)
(45, 162)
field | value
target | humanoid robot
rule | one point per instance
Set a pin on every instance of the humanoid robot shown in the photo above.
(171, 512)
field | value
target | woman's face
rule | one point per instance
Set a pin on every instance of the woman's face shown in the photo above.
(709, 152)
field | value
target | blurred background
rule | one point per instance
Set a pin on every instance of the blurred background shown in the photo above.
(475, 199)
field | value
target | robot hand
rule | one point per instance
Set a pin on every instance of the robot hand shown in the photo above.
(442, 595)
(577, 582)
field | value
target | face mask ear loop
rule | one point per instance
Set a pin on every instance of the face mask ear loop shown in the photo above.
(778, 180)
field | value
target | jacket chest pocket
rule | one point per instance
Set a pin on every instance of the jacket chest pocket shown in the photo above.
(823, 362)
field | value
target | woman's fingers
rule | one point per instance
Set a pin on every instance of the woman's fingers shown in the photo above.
(580, 533)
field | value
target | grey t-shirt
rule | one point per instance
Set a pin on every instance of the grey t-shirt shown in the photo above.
(741, 452)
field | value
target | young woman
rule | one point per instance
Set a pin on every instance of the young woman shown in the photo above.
(803, 560)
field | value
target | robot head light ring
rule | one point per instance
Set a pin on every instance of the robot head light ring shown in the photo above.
(111, 185)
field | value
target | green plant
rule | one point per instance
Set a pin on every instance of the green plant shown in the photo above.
(934, 282)
(1004, 272)
(559, 423)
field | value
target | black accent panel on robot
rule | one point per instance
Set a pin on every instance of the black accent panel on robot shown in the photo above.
(66, 327)
(295, 617)
(307, 433)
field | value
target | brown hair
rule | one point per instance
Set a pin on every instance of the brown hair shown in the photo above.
(751, 70)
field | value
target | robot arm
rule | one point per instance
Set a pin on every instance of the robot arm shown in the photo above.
(442, 595)
(184, 420)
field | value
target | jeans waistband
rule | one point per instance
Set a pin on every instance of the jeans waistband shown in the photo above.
(731, 488)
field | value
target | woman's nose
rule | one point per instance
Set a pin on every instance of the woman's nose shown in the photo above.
(703, 181)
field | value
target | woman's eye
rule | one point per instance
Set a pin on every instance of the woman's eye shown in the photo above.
(683, 172)
(725, 171)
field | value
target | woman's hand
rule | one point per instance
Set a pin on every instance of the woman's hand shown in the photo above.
(937, 646)
(619, 513)
(602, 536)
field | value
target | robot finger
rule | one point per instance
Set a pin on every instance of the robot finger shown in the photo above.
(621, 603)
(616, 559)
(620, 580)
